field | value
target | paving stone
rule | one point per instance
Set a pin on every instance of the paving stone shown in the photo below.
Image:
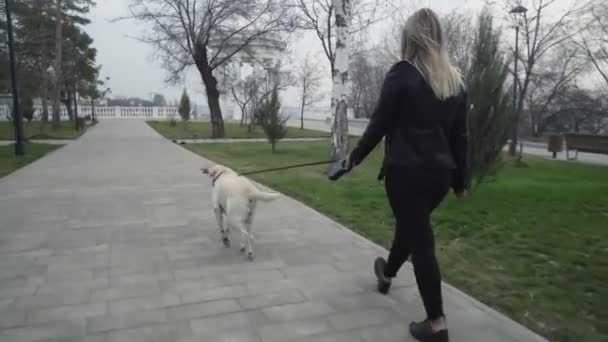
(102, 337)
(151, 333)
(52, 299)
(363, 301)
(271, 299)
(144, 303)
(61, 330)
(11, 318)
(226, 336)
(235, 321)
(13, 292)
(293, 330)
(361, 318)
(351, 336)
(140, 279)
(124, 292)
(125, 320)
(392, 332)
(67, 312)
(68, 286)
(217, 293)
(213, 308)
(297, 311)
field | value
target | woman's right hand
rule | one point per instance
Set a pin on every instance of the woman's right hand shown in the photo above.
(348, 164)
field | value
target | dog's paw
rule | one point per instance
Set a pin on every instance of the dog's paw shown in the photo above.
(250, 256)
(242, 250)
(226, 242)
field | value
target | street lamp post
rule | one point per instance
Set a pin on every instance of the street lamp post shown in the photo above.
(514, 133)
(17, 118)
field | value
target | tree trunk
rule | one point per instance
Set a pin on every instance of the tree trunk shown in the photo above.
(302, 112)
(213, 95)
(339, 101)
(43, 66)
(243, 114)
(517, 115)
(93, 108)
(58, 58)
(217, 122)
(45, 97)
(67, 102)
(75, 97)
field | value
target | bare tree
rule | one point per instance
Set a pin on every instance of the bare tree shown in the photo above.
(388, 51)
(244, 93)
(459, 38)
(595, 42)
(335, 22)
(207, 34)
(551, 81)
(367, 76)
(257, 86)
(319, 16)
(309, 78)
(339, 94)
(580, 110)
(540, 34)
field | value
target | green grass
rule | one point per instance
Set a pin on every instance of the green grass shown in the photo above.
(38, 130)
(532, 244)
(202, 130)
(9, 162)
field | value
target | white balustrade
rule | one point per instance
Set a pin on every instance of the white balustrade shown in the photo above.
(103, 112)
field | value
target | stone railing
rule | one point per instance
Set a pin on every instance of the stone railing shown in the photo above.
(102, 112)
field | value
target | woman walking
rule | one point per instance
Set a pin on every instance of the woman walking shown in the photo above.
(422, 115)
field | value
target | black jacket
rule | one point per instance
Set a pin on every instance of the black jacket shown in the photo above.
(419, 129)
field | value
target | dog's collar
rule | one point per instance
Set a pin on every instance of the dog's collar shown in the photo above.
(216, 178)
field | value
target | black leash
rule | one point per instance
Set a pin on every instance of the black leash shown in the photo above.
(287, 167)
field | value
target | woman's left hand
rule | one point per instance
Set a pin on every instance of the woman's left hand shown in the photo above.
(461, 195)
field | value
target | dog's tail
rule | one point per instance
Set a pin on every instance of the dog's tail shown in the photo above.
(264, 196)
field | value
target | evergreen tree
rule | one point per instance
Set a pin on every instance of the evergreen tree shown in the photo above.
(491, 114)
(269, 118)
(184, 107)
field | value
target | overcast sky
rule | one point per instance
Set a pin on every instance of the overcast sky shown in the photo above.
(133, 71)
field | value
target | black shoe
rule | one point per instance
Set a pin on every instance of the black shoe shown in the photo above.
(384, 283)
(423, 331)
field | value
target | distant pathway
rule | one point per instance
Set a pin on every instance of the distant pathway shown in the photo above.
(538, 149)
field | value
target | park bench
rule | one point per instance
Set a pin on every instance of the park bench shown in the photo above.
(585, 143)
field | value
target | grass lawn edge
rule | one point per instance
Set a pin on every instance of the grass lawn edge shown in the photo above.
(45, 135)
(201, 130)
(52, 148)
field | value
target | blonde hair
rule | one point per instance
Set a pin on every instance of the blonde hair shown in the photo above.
(423, 46)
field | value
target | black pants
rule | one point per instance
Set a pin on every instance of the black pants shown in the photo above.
(413, 194)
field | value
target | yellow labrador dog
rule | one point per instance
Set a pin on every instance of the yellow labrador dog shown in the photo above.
(235, 198)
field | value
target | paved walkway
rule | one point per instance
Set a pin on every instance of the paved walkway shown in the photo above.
(112, 238)
(240, 140)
